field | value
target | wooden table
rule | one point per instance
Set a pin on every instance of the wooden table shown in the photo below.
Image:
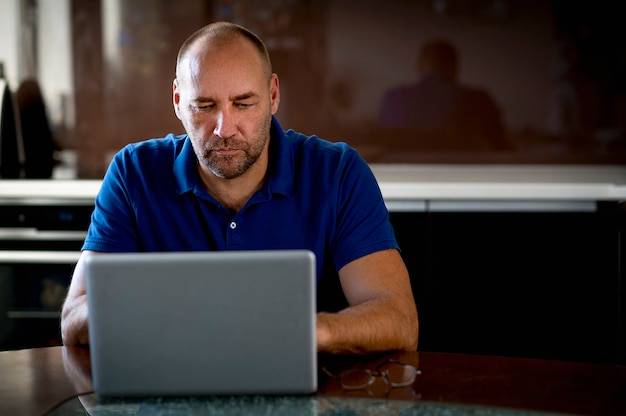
(38, 381)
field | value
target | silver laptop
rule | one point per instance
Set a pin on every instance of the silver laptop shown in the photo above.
(202, 323)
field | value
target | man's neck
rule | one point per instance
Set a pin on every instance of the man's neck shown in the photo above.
(234, 193)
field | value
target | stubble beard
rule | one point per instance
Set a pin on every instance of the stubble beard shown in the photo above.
(233, 166)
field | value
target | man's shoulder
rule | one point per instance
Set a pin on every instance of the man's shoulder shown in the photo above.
(323, 160)
(314, 144)
(149, 157)
(161, 144)
(151, 151)
(320, 152)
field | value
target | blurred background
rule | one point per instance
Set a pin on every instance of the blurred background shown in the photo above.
(549, 76)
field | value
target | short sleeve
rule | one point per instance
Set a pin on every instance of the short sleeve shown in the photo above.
(363, 225)
(112, 227)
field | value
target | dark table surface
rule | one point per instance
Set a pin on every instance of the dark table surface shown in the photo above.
(56, 381)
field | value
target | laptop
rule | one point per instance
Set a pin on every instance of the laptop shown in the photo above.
(202, 323)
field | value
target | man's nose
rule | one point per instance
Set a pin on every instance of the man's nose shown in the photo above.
(224, 124)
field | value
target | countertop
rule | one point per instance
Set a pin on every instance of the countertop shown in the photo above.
(406, 183)
(501, 182)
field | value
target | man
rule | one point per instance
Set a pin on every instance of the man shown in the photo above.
(238, 181)
(467, 117)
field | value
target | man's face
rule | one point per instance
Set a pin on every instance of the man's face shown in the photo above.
(225, 102)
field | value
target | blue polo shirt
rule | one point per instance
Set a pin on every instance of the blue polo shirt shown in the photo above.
(318, 195)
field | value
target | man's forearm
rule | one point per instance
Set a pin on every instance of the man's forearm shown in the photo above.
(74, 328)
(378, 325)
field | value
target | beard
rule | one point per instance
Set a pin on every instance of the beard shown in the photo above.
(235, 165)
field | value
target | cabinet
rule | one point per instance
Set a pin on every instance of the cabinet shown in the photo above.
(40, 241)
(542, 280)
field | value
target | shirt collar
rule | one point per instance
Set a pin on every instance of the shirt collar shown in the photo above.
(280, 175)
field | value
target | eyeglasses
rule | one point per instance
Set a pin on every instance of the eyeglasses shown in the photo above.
(395, 373)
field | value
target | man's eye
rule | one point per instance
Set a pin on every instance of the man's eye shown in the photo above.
(204, 107)
(243, 105)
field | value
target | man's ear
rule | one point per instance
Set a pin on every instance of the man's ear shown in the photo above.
(176, 98)
(274, 93)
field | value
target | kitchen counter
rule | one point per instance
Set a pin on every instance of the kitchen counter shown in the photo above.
(501, 182)
(403, 182)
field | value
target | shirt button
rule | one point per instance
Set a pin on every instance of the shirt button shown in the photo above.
(233, 225)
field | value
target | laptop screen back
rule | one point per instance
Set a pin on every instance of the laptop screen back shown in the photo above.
(198, 323)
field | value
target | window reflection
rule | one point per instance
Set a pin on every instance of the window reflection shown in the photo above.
(550, 71)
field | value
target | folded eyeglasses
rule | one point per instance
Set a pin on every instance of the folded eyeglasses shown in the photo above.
(395, 373)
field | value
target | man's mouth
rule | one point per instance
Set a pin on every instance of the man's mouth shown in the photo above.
(226, 151)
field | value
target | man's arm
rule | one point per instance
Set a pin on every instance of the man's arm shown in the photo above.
(74, 330)
(382, 314)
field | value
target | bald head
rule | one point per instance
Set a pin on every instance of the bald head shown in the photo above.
(221, 35)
